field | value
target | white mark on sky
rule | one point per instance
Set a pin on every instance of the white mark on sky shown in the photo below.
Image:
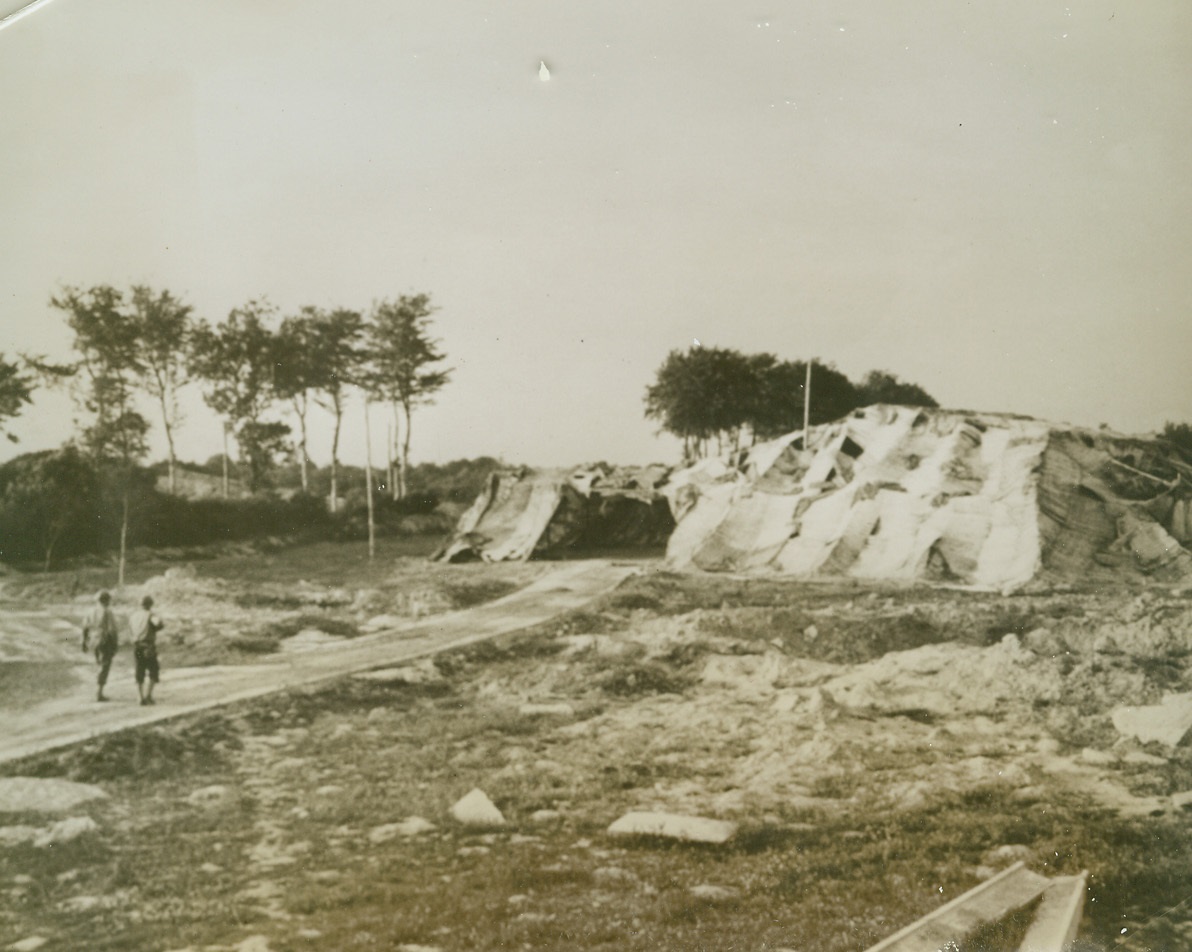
(543, 72)
(697, 343)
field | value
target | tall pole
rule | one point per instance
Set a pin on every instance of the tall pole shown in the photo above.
(368, 478)
(807, 409)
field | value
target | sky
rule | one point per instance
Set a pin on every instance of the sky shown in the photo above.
(990, 200)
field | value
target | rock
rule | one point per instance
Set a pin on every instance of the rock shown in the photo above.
(210, 869)
(15, 835)
(329, 790)
(421, 673)
(1182, 801)
(65, 830)
(309, 934)
(410, 826)
(476, 809)
(80, 904)
(473, 851)
(545, 816)
(254, 943)
(1169, 722)
(811, 632)
(42, 795)
(1103, 758)
(674, 826)
(1105, 644)
(561, 709)
(387, 620)
(206, 796)
(414, 947)
(1139, 758)
(31, 944)
(712, 893)
(1045, 643)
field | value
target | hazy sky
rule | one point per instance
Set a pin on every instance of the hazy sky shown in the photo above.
(992, 200)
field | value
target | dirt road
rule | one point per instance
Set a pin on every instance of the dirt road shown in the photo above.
(73, 715)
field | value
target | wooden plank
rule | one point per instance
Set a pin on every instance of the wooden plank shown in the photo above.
(1058, 915)
(1007, 892)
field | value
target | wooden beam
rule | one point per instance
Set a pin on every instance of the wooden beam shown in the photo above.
(1010, 890)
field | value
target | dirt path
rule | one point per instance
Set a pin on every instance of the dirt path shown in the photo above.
(75, 716)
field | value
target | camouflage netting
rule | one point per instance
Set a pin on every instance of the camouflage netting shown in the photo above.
(900, 492)
(523, 513)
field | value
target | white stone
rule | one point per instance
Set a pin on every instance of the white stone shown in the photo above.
(410, 826)
(1182, 801)
(80, 903)
(419, 673)
(26, 794)
(711, 893)
(31, 944)
(476, 809)
(254, 943)
(1090, 755)
(205, 796)
(414, 947)
(545, 816)
(65, 830)
(1169, 722)
(674, 826)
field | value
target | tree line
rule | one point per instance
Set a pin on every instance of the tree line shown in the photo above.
(714, 398)
(249, 367)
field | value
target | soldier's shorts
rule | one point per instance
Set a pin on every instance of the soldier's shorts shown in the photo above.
(146, 658)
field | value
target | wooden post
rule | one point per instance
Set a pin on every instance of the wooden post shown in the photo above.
(225, 461)
(807, 409)
(368, 476)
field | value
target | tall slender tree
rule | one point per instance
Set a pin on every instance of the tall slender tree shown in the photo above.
(107, 341)
(235, 361)
(337, 337)
(163, 325)
(299, 372)
(405, 355)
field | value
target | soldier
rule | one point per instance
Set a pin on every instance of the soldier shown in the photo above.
(101, 621)
(145, 626)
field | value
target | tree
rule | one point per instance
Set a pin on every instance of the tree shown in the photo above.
(1180, 435)
(782, 396)
(404, 356)
(16, 390)
(705, 393)
(163, 325)
(107, 340)
(235, 361)
(882, 387)
(45, 495)
(299, 371)
(336, 338)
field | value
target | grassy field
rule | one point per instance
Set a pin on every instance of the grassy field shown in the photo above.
(275, 818)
